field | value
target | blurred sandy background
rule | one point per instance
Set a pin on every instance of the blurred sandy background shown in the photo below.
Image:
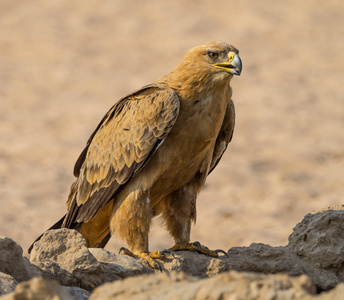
(64, 63)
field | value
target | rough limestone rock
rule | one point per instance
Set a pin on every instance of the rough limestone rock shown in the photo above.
(316, 248)
(11, 259)
(33, 270)
(194, 264)
(121, 265)
(228, 285)
(263, 258)
(62, 255)
(191, 263)
(270, 260)
(334, 294)
(78, 293)
(39, 289)
(319, 241)
(7, 283)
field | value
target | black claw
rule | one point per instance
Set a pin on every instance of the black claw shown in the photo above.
(221, 251)
(198, 245)
(159, 268)
(121, 249)
(168, 252)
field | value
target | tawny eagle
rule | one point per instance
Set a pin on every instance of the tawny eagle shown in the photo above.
(152, 152)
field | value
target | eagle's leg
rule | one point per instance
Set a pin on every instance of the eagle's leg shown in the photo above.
(179, 210)
(131, 222)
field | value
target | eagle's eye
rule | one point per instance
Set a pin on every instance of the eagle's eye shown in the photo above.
(213, 55)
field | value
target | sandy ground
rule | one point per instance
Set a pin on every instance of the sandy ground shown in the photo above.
(64, 63)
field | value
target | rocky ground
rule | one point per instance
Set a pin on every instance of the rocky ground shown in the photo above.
(63, 64)
(61, 266)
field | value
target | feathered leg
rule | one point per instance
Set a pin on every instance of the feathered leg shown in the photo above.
(178, 211)
(131, 221)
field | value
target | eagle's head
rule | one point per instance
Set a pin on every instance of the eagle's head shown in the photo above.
(214, 58)
(207, 67)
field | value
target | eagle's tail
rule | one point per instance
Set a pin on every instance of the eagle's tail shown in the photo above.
(59, 224)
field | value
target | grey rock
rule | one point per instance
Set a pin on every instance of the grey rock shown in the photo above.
(78, 293)
(228, 285)
(265, 259)
(11, 259)
(316, 249)
(7, 283)
(32, 270)
(319, 242)
(191, 263)
(195, 264)
(334, 294)
(121, 265)
(62, 255)
(38, 289)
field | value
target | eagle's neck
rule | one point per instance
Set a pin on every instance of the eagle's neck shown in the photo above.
(194, 85)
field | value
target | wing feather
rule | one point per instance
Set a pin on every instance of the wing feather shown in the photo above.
(225, 135)
(121, 145)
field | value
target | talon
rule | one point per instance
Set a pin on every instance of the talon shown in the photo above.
(157, 255)
(149, 257)
(198, 245)
(125, 251)
(221, 251)
(168, 252)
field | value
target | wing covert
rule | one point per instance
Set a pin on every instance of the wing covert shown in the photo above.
(225, 135)
(122, 144)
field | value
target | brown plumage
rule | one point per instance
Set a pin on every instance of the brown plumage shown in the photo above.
(152, 152)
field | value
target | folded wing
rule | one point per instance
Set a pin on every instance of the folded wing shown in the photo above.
(225, 135)
(122, 144)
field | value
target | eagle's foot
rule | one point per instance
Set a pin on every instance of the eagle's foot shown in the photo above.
(147, 256)
(197, 247)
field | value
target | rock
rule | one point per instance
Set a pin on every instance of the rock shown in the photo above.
(228, 285)
(315, 249)
(11, 259)
(7, 283)
(335, 294)
(38, 289)
(191, 263)
(33, 270)
(78, 293)
(121, 265)
(266, 259)
(263, 258)
(62, 255)
(195, 264)
(319, 242)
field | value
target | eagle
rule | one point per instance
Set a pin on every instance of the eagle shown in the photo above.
(151, 154)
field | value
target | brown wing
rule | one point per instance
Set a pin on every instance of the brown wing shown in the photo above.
(225, 135)
(122, 144)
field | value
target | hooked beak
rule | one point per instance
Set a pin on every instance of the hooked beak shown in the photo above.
(233, 65)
